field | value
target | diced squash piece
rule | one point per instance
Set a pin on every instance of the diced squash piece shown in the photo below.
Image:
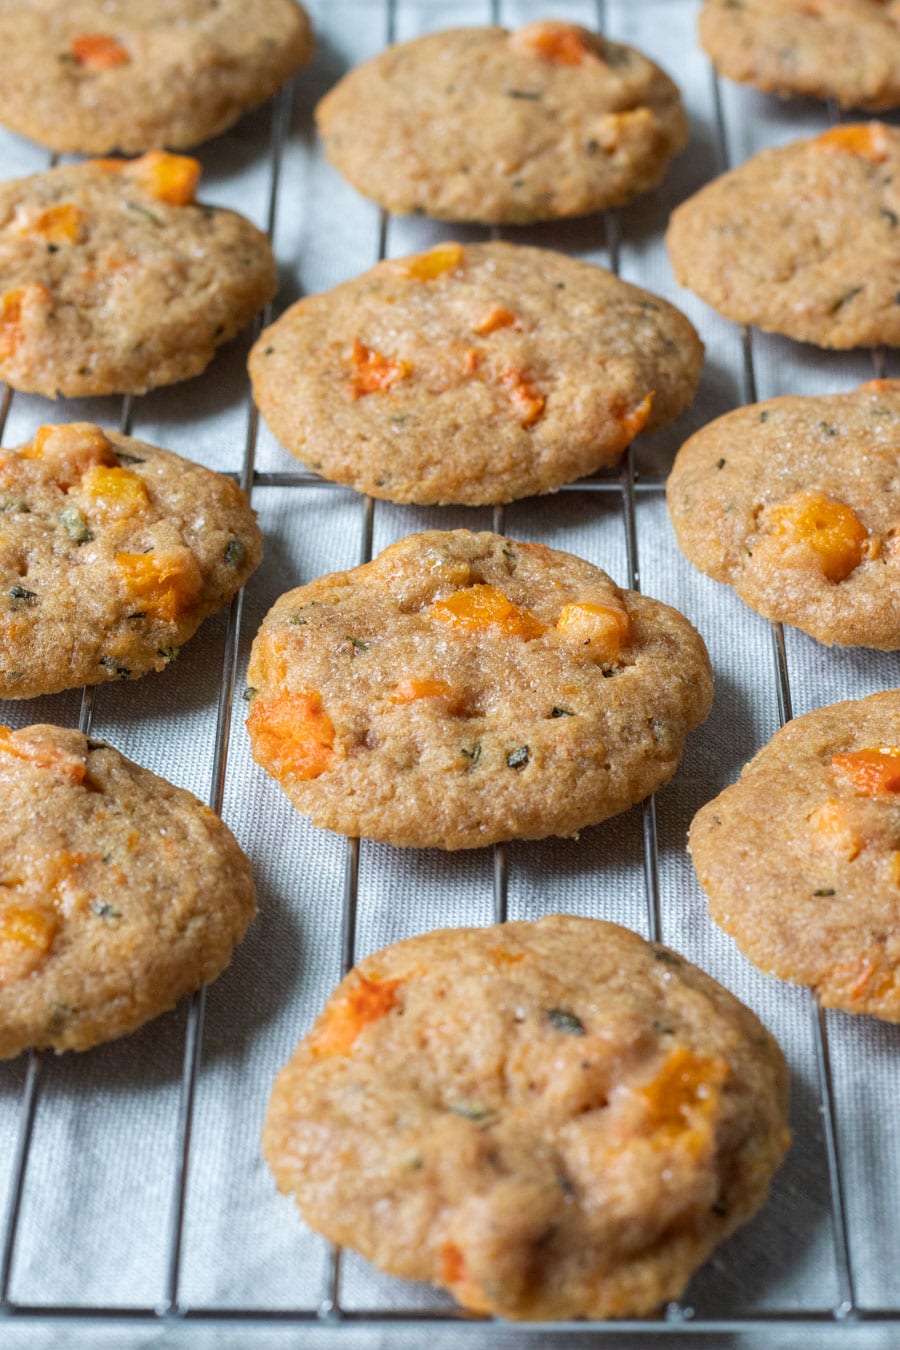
(894, 868)
(528, 401)
(115, 492)
(372, 372)
(684, 1093)
(59, 224)
(69, 451)
(61, 763)
(366, 1001)
(98, 51)
(411, 690)
(26, 936)
(635, 421)
(871, 772)
(562, 43)
(162, 584)
(834, 831)
(821, 532)
(453, 1266)
(169, 178)
(603, 628)
(480, 607)
(427, 266)
(498, 317)
(13, 307)
(869, 140)
(292, 736)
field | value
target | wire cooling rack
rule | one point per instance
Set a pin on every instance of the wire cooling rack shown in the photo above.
(145, 1152)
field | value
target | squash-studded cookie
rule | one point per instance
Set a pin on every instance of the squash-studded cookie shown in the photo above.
(473, 374)
(113, 280)
(560, 1119)
(464, 688)
(119, 893)
(802, 240)
(848, 50)
(796, 503)
(483, 124)
(112, 552)
(132, 75)
(800, 858)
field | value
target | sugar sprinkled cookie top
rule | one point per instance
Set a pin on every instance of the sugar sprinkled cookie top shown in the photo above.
(134, 75)
(473, 373)
(465, 688)
(561, 1119)
(488, 125)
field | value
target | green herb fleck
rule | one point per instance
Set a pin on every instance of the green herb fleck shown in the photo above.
(169, 654)
(267, 351)
(664, 1028)
(648, 305)
(249, 694)
(142, 211)
(720, 464)
(297, 620)
(592, 146)
(527, 94)
(471, 1110)
(23, 596)
(517, 759)
(828, 429)
(845, 299)
(890, 216)
(561, 712)
(104, 910)
(53, 248)
(357, 643)
(825, 890)
(128, 459)
(719, 1208)
(616, 56)
(59, 1014)
(565, 1185)
(137, 614)
(764, 417)
(668, 958)
(473, 755)
(235, 553)
(565, 1021)
(75, 525)
(97, 745)
(110, 663)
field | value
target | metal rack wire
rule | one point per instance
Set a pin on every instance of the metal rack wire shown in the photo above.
(843, 1315)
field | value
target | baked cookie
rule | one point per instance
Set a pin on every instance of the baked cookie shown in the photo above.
(463, 689)
(795, 503)
(111, 555)
(559, 1118)
(801, 857)
(119, 893)
(847, 50)
(802, 240)
(133, 75)
(486, 125)
(473, 374)
(113, 281)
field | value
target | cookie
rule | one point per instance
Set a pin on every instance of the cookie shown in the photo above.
(551, 1120)
(112, 553)
(487, 125)
(113, 281)
(802, 240)
(464, 689)
(800, 858)
(473, 374)
(848, 50)
(119, 893)
(795, 503)
(134, 75)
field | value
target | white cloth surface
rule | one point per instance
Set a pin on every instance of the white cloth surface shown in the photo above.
(94, 1223)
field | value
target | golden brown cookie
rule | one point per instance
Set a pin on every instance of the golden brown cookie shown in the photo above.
(551, 1120)
(477, 373)
(796, 502)
(801, 857)
(464, 688)
(119, 893)
(848, 50)
(483, 124)
(113, 280)
(133, 75)
(112, 553)
(802, 240)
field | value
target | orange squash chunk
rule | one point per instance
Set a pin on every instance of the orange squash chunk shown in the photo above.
(11, 310)
(410, 691)
(365, 1002)
(494, 319)
(528, 401)
(26, 936)
(453, 1266)
(427, 266)
(684, 1092)
(828, 533)
(116, 492)
(637, 419)
(870, 771)
(71, 449)
(834, 831)
(169, 178)
(603, 628)
(60, 762)
(292, 735)
(98, 51)
(372, 372)
(162, 584)
(869, 140)
(561, 43)
(480, 607)
(58, 224)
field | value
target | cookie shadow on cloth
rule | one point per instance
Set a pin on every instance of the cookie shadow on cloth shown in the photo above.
(173, 408)
(326, 68)
(245, 143)
(719, 392)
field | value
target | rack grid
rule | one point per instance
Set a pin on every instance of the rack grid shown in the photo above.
(845, 1311)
